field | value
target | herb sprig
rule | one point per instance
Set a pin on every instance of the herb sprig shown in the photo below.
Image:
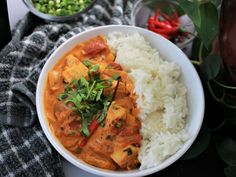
(86, 96)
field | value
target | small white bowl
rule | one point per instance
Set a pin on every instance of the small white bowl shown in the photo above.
(168, 51)
(143, 9)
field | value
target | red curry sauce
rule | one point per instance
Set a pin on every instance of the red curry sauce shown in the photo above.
(113, 143)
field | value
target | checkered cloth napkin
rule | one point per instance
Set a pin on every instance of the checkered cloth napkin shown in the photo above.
(24, 150)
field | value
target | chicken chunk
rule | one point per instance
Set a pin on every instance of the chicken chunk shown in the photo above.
(54, 80)
(126, 157)
(74, 72)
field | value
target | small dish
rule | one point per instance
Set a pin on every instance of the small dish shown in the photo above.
(141, 12)
(48, 17)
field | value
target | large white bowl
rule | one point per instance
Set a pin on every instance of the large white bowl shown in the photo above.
(168, 51)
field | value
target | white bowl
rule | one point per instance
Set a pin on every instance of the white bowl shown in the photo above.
(168, 51)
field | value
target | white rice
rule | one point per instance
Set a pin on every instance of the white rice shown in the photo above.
(160, 96)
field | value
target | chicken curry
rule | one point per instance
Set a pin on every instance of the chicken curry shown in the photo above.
(90, 105)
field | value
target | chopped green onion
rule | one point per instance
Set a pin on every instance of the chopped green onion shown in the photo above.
(86, 97)
(85, 130)
(72, 132)
(87, 63)
(115, 76)
(118, 124)
(61, 7)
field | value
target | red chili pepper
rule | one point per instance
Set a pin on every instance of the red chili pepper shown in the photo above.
(164, 25)
(163, 20)
(83, 142)
(157, 21)
(176, 17)
(93, 126)
(167, 17)
(151, 18)
(174, 21)
(157, 13)
(174, 30)
(158, 24)
(165, 36)
(166, 22)
(174, 24)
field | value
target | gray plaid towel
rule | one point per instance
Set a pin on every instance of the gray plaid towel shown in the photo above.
(24, 150)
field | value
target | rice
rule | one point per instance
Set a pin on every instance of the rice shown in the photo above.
(161, 97)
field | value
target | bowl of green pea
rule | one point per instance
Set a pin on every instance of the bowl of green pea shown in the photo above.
(59, 10)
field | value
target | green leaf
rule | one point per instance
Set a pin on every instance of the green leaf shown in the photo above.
(102, 85)
(230, 115)
(73, 100)
(226, 149)
(84, 128)
(104, 111)
(210, 67)
(84, 81)
(199, 145)
(94, 68)
(87, 97)
(67, 88)
(208, 28)
(86, 63)
(153, 4)
(230, 171)
(115, 76)
(217, 3)
(191, 8)
(196, 48)
(79, 98)
(99, 94)
(165, 6)
(90, 89)
(62, 96)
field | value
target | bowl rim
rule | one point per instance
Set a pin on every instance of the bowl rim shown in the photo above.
(98, 171)
(53, 17)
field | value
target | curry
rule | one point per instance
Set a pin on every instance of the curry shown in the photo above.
(90, 105)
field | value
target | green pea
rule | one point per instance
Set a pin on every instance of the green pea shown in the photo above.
(51, 12)
(69, 7)
(58, 11)
(61, 7)
(51, 3)
(58, 5)
(43, 9)
(37, 6)
(63, 4)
